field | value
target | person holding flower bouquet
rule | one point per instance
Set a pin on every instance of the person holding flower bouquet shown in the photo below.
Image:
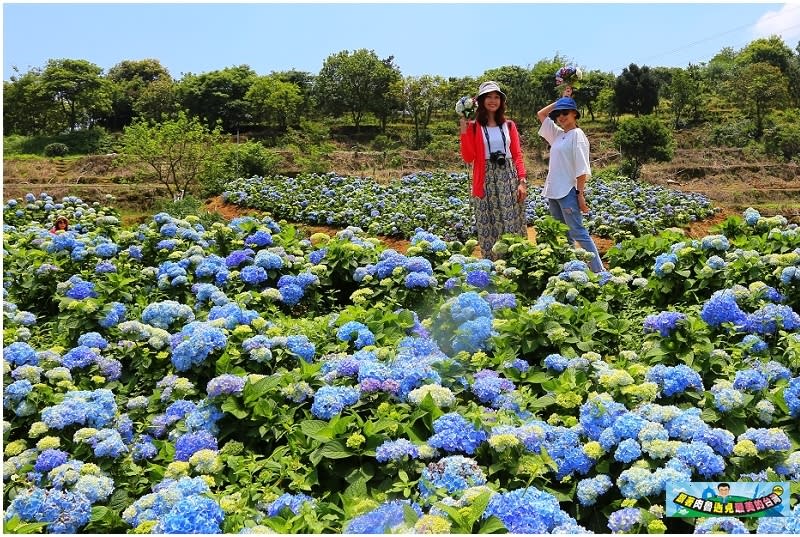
(491, 144)
(568, 170)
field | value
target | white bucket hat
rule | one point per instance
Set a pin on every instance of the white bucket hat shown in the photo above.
(488, 87)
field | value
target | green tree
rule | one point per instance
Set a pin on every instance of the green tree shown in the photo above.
(158, 101)
(782, 134)
(588, 92)
(607, 104)
(28, 108)
(174, 153)
(520, 88)
(686, 95)
(130, 78)
(771, 50)
(354, 83)
(422, 95)
(636, 90)
(720, 69)
(273, 101)
(78, 86)
(643, 139)
(304, 82)
(757, 89)
(388, 98)
(218, 96)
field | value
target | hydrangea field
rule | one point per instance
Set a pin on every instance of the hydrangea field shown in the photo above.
(439, 202)
(242, 377)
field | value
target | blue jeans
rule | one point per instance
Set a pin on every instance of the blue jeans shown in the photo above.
(566, 210)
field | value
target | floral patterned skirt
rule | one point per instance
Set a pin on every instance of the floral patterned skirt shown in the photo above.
(498, 212)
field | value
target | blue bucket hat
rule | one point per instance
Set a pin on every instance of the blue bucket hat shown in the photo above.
(565, 103)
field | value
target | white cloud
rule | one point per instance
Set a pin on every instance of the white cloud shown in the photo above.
(785, 22)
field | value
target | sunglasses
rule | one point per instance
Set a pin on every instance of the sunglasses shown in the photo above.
(562, 113)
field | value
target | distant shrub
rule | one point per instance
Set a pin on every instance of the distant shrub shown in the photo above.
(642, 139)
(94, 141)
(56, 149)
(236, 161)
(782, 135)
(736, 132)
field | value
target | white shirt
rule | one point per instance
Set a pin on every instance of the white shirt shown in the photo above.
(496, 140)
(569, 158)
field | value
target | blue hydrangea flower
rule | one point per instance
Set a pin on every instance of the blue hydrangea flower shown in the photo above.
(528, 510)
(49, 459)
(767, 439)
(192, 514)
(114, 314)
(144, 449)
(473, 335)
(81, 289)
(454, 474)
(750, 380)
(293, 502)
(702, 458)
(452, 432)
(556, 362)
(623, 520)
(260, 238)
(301, 347)
(488, 386)
(395, 450)
(673, 380)
(590, 489)
(478, 278)
(225, 384)
(722, 308)
(108, 443)
(791, 395)
(771, 318)
(188, 444)
(386, 518)
(727, 525)
(331, 400)
(664, 323)
(356, 332)
(628, 451)
(194, 343)
(665, 264)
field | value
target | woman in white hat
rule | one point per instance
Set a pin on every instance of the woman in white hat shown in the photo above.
(491, 143)
(568, 170)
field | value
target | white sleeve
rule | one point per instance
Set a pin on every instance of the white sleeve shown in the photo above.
(582, 165)
(549, 130)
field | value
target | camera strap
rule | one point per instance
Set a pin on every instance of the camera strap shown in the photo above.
(488, 143)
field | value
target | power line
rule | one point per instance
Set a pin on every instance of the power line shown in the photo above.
(726, 32)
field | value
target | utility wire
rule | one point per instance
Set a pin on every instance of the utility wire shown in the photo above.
(726, 32)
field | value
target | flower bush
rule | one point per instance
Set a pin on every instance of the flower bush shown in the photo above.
(439, 203)
(242, 377)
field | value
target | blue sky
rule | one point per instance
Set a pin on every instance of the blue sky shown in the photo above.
(433, 38)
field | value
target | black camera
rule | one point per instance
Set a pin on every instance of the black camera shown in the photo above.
(498, 158)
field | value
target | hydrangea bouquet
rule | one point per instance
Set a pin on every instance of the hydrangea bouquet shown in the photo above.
(466, 107)
(569, 75)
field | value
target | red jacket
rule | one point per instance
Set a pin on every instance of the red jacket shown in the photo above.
(472, 151)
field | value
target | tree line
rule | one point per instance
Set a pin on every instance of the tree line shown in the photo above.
(69, 95)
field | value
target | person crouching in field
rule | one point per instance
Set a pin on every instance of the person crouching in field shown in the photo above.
(491, 143)
(62, 224)
(568, 170)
